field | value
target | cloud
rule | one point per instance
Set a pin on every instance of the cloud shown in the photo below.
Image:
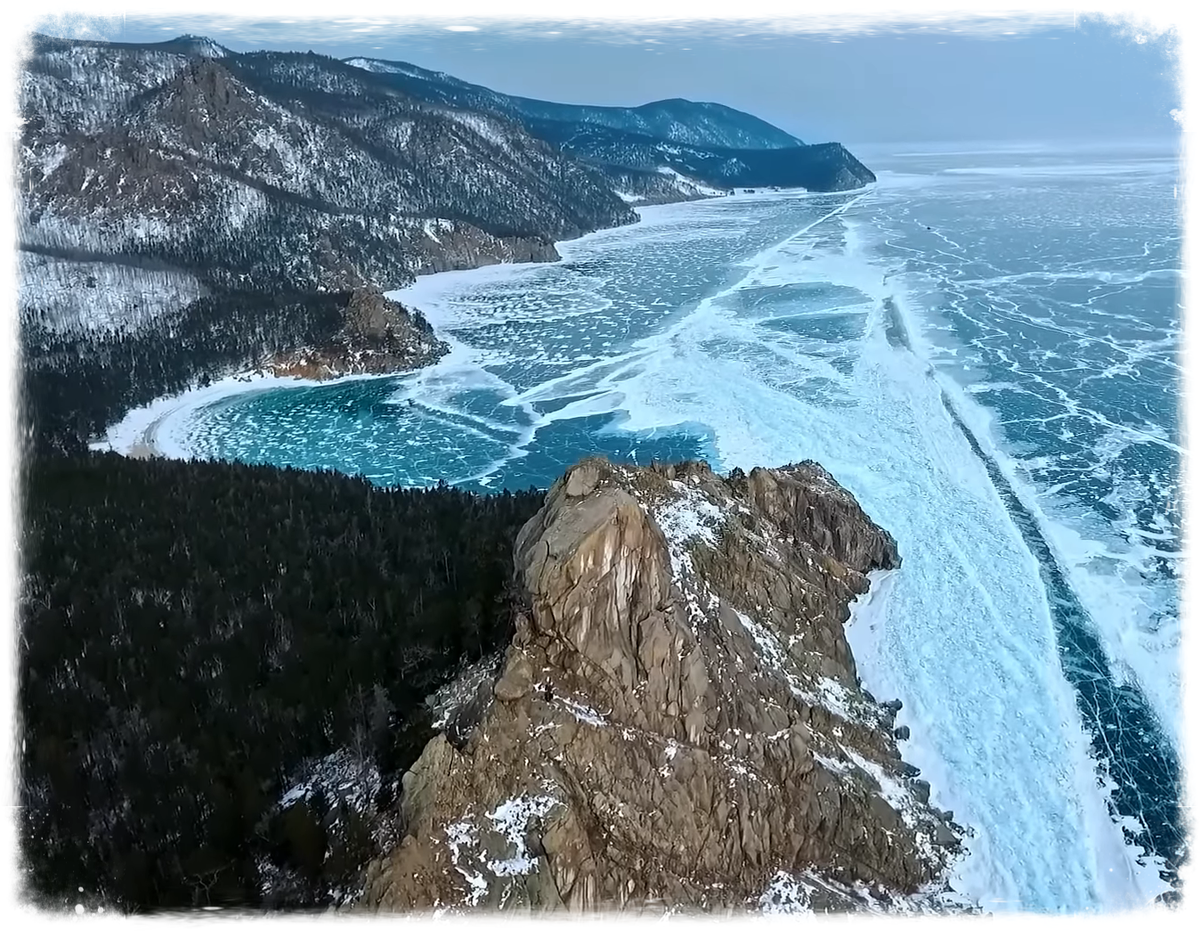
(611, 28)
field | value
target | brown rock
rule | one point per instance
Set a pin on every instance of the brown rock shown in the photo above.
(690, 630)
(378, 336)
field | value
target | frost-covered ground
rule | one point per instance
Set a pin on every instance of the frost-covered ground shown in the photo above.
(1009, 417)
(73, 296)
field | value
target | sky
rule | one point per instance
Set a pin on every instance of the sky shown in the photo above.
(1015, 81)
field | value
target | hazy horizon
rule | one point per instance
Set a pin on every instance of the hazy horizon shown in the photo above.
(1086, 83)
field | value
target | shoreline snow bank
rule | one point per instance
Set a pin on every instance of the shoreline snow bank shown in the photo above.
(159, 428)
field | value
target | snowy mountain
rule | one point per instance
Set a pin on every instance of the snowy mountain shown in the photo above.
(676, 120)
(200, 186)
(280, 166)
(710, 144)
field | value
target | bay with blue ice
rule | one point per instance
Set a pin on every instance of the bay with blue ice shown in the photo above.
(983, 347)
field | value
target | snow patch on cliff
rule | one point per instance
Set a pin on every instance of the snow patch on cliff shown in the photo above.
(341, 776)
(793, 894)
(772, 651)
(512, 819)
(684, 519)
(462, 835)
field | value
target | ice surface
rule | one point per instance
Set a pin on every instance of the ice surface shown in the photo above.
(1011, 422)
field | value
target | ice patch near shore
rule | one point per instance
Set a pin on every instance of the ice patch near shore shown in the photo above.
(164, 426)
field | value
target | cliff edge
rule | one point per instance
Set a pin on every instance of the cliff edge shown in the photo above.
(378, 336)
(677, 723)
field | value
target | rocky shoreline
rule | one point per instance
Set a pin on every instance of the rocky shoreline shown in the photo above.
(378, 336)
(677, 723)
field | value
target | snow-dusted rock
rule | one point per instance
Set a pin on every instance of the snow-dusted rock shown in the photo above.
(679, 715)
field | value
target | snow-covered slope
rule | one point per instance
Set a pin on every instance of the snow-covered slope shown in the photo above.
(677, 120)
(82, 296)
(711, 144)
(293, 168)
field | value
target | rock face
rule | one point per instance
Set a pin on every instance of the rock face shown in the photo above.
(378, 337)
(677, 723)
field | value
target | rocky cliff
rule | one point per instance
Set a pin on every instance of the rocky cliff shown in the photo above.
(677, 723)
(377, 337)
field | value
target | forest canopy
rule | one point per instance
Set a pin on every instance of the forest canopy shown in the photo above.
(194, 634)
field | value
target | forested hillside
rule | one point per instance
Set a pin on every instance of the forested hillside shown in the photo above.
(675, 120)
(185, 210)
(222, 670)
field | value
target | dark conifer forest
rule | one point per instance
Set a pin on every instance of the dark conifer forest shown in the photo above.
(75, 384)
(195, 637)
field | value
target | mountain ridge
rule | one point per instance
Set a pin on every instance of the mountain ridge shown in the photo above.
(293, 174)
(755, 133)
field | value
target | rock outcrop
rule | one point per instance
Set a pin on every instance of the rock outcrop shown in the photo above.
(677, 723)
(378, 337)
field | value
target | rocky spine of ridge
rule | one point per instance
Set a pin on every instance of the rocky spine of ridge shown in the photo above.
(677, 723)
(378, 337)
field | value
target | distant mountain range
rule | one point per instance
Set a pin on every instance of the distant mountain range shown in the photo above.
(712, 144)
(675, 121)
(194, 172)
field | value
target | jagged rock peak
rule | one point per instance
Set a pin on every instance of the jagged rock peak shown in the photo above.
(677, 723)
